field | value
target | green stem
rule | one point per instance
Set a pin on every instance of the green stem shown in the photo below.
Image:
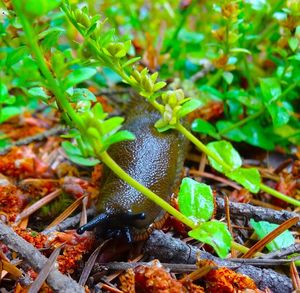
(215, 78)
(180, 25)
(248, 74)
(227, 168)
(202, 146)
(288, 89)
(107, 160)
(242, 122)
(52, 83)
(279, 195)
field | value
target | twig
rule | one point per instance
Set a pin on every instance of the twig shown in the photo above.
(44, 273)
(294, 248)
(57, 281)
(38, 137)
(241, 210)
(89, 264)
(69, 222)
(168, 249)
(185, 268)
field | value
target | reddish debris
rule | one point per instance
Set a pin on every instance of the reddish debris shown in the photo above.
(37, 239)
(154, 279)
(12, 201)
(75, 247)
(224, 280)
(21, 162)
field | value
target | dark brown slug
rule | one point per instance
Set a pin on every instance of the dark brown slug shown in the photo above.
(153, 159)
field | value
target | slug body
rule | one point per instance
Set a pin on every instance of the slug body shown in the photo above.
(153, 159)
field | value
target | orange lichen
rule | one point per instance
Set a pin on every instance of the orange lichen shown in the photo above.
(37, 239)
(12, 201)
(75, 247)
(154, 278)
(128, 281)
(224, 280)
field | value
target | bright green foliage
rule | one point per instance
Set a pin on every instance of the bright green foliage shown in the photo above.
(197, 203)
(47, 61)
(215, 234)
(225, 151)
(263, 228)
(195, 200)
(76, 156)
(202, 126)
(249, 178)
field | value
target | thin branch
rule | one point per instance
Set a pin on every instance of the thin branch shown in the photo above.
(56, 280)
(171, 250)
(241, 210)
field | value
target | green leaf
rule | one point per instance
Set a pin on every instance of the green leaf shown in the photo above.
(228, 77)
(195, 200)
(35, 8)
(9, 112)
(50, 37)
(74, 154)
(38, 92)
(295, 57)
(78, 75)
(16, 55)
(249, 178)
(130, 61)
(215, 234)
(83, 161)
(270, 88)
(255, 135)
(112, 124)
(263, 228)
(280, 113)
(293, 43)
(235, 134)
(159, 85)
(99, 112)
(3, 92)
(240, 50)
(212, 91)
(287, 132)
(226, 152)
(189, 107)
(71, 149)
(82, 94)
(118, 137)
(202, 126)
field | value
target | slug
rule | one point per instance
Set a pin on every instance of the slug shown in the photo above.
(155, 160)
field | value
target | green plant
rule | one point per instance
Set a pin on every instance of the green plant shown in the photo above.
(93, 132)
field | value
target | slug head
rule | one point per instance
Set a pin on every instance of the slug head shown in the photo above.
(113, 225)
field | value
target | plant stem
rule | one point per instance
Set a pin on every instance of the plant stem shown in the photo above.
(202, 146)
(242, 122)
(227, 168)
(248, 74)
(107, 160)
(180, 25)
(215, 78)
(52, 83)
(279, 195)
(288, 89)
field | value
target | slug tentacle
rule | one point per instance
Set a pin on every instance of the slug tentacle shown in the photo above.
(113, 225)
